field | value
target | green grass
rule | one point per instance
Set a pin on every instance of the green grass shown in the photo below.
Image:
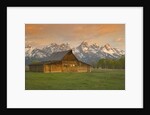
(96, 80)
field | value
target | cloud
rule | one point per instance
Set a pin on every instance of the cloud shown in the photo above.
(119, 40)
(74, 34)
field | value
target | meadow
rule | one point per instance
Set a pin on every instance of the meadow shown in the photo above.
(98, 79)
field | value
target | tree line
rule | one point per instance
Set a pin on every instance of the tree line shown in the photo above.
(111, 63)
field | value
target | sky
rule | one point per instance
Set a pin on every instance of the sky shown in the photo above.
(39, 35)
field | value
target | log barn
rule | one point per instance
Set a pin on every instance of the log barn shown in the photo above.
(64, 61)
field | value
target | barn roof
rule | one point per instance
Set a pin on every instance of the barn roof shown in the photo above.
(44, 62)
(58, 56)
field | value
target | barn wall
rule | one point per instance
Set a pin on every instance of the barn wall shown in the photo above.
(47, 68)
(75, 66)
(56, 68)
(36, 68)
(64, 66)
(69, 66)
(70, 63)
(69, 57)
(83, 67)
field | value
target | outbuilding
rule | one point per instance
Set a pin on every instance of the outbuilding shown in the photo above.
(64, 61)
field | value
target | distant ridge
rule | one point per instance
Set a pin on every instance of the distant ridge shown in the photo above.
(86, 52)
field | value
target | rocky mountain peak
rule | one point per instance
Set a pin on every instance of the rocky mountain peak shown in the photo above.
(84, 43)
(107, 46)
(28, 46)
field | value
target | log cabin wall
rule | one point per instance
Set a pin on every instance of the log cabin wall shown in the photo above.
(69, 57)
(69, 63)
(36, 68)
(56, 67)
(63, 66)
(47, 68)
(82, 67)
(69, 66)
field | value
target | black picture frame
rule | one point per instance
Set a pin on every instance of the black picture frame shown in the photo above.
(65, 3)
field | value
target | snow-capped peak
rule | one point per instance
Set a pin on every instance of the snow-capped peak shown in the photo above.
(86, 51)
(107, 46)
(91, 42)
(84, 43)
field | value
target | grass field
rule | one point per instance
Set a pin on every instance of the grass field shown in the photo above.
(96, 80)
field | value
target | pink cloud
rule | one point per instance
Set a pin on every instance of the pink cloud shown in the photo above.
(119, 40)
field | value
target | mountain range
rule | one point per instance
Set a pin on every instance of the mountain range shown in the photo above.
(86, 52)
